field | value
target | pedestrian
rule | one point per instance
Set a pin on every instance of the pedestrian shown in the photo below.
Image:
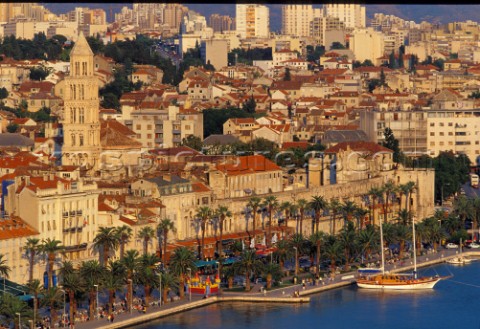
(112, 317)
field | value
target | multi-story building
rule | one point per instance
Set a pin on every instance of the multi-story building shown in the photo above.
(296, 19)
(221, 23)
(353, 15)
(367, 44)
(81, 124)
(215, 52)
(252, 20)
(327, 29)
(165, 128)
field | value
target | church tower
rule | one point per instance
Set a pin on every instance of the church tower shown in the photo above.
(81, 124)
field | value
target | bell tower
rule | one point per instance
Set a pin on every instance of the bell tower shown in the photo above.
(81, 124)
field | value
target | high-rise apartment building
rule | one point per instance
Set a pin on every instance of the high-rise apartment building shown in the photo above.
(253, 21)
(296, 19)
(221, 23)
(325, 29)
(352, 15)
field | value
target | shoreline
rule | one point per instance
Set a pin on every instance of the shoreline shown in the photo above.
(275, 296)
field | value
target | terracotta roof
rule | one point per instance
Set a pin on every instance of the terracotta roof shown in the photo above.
(15, 227)
(247, 165)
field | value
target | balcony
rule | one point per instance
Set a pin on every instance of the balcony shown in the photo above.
(76, 247)
(79, 212)
(65, 214)
(72, 213)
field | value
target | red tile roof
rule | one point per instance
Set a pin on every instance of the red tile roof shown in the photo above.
(369, 147)
(247, 165)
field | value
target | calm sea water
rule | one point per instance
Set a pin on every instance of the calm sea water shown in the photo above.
(454, 303)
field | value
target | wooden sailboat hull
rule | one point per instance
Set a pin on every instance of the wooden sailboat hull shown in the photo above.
(418, 284)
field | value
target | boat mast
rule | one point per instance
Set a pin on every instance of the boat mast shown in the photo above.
(414, 249)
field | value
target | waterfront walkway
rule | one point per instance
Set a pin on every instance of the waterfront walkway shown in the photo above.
(283, 295)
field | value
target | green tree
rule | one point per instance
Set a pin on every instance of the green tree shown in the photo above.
(146, 234)
(124, 234)
(51, 248)
(165, 226)
(254, 203)
(92, 272)
(193, 142)
(337, 45)
(112, 281)
(39, 73)
(249, 106)
(204, 214)
(318, 204)
(392, 143)
(131, 263)
(169, 281)
(12, 128)
(10, 306)
(249, 265)
(181, 260)
(3, 93)
(287, 76)
(106, 241)
(273, 272)
(272, 204)
(222, 212)
(73, 285)
(31, 247)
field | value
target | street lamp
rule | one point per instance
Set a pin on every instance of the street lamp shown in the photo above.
(189, 284)
(64, 305)
(96, 286)
(296, 256)
(31, 324)
(19, 320)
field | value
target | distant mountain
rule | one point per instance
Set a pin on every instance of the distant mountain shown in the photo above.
(430, 13)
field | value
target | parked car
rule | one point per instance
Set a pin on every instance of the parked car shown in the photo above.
(451, 245)
(473, 245)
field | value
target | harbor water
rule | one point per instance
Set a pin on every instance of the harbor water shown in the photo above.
(453, 303)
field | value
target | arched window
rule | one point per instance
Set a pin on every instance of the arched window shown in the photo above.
(80, 140)
(73, 115)
(73, 139)
(81, 92)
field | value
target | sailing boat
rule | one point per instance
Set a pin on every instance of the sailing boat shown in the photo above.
(409, 281)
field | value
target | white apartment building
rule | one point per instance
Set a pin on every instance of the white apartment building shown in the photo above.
(253, 21)
(353, 15)
(367, 44)
(430, 132)
(296, 19)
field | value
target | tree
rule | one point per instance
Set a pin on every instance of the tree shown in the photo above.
(53, 298)
(248, 265)
(392, 143)
(222, 212)
(368, 240)
(131, 263)
(165, 226)
(318, 204)
(51, 248)
(337, 45)
(12, 128)
(273, 272)
(10, 306)
(347, 239)
(35, 288)
(271, 203)
(92, 272)
(73, 285)
(297, 242)
(193, 142)
(302, 205)
(107, 241)
(182, 260)
(335, 207)
(169, 281)
(3, 93)
(254, 203)
(250, 105)
(146, 234)
(39, 73)
(112, 281)
(31, 247)
(203, 216)
(287, 76)
(124, 234)
(317, 239)
(383, 81)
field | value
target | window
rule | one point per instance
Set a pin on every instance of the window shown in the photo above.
(432, 124)
(138, 127)
(81, 115)
(441, 124)
(450, 124)
(149, 135)
(432, 143)
(441, 133)
(73, 139)
(149, 127)
(80, 140)
(432, 134)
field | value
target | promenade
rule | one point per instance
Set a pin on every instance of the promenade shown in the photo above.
(282, 295)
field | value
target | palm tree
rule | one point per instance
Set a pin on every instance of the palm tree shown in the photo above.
(347, 239)
(73, 284)
(359, 215)
(302, 206)
(318, 204)
(147, 274)
(229, 272)
(282, 252)
(333, 251)
(317, 239)
(403, 234)
(273, 272)
(222, 212)
(368, 240)
(254, 203)
(10, 306)
(462, 208)
(376, 194)
(146, 234)
(182, 259)
(248, 264)
(389, 189)
(348, 210)
(169, 281)
(271, 203)
(131, 262)
(475, 206)
(106, 240)
(124, 234)
(112, 280)
(31, 248)
(335, 207)
(165, 226)
(407, 189)
(91, 271)
(403, 216)
(53, 298)
(203, 215)
(35, 288)
(50, 248)
(297, 241)
(286, 208)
